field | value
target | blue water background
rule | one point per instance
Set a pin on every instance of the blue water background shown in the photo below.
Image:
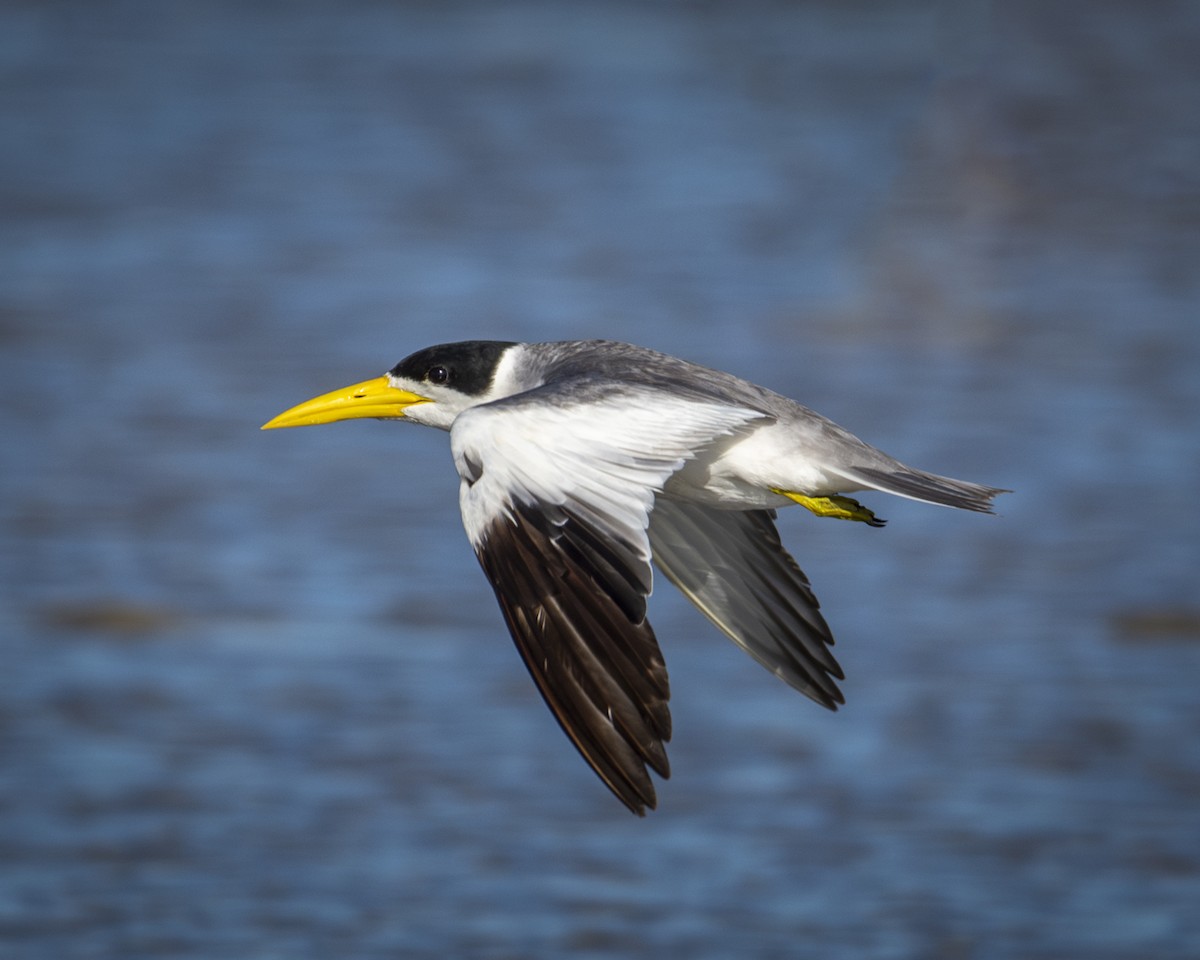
(256, 699)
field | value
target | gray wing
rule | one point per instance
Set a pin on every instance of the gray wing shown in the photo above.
(732, 566)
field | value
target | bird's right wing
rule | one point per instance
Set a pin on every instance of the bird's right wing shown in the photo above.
(555, 497)
(732, 566)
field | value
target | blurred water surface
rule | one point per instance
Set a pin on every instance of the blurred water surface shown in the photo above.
(256, 698)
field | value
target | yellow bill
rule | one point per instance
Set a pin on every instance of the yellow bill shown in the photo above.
(372, 398)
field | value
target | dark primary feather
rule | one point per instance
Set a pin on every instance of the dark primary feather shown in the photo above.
(576, 610)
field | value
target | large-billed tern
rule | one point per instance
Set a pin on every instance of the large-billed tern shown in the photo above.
(580, 462)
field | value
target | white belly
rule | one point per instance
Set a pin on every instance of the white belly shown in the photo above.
(742, 475)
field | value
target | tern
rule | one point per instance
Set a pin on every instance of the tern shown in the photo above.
(582, 461)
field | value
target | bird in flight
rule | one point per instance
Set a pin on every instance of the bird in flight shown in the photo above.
(581, 462)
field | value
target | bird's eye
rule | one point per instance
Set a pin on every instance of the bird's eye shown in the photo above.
(437, 375)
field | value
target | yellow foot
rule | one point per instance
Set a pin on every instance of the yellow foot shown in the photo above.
(843, 508)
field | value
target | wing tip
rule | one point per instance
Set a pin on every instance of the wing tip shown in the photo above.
(639, 808)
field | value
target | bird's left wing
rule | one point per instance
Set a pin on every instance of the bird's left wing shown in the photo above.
(732, 566)
(555, 497)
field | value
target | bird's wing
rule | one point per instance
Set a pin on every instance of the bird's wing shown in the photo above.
(732, 566)
(555, 497)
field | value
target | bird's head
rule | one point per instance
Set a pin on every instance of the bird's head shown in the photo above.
(432, 386)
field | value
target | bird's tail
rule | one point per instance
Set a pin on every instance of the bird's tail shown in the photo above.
(928, 487)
